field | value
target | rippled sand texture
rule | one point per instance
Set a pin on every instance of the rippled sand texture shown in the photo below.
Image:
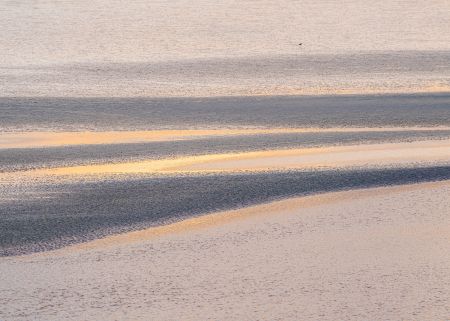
(375, 254)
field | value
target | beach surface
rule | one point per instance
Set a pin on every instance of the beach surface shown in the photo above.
(224, 160)
(369, 254)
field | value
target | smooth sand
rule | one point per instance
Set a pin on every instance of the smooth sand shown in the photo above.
(371, 254)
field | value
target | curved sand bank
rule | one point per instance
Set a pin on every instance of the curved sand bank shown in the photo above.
(368, 155)
(370, 254)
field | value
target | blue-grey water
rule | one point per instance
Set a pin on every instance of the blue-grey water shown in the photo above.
(180, 113)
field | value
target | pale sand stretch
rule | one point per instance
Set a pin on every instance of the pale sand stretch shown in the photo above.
(35, 139)
(377, 254)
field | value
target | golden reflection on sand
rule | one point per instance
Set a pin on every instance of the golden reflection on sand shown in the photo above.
(292, 206)
(35, 139)
(327, 157)
(49, 139)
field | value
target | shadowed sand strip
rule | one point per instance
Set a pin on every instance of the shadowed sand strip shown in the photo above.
(35, 139)
(290, 206)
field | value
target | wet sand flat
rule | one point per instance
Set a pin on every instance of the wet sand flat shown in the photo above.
(371, 254)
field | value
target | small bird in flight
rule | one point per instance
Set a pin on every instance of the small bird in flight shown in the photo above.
(301, 43)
